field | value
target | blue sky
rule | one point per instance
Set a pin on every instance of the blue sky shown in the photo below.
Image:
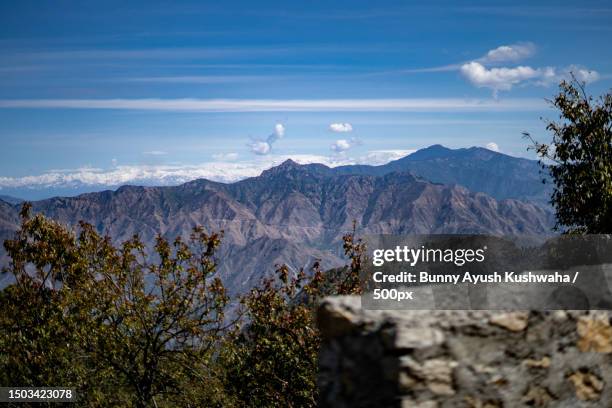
(97, 94)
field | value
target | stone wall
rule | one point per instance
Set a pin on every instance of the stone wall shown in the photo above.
(463, 358)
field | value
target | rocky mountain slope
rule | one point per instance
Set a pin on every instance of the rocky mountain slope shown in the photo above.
(290, 214)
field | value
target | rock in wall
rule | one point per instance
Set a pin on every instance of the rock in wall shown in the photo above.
(462, 358)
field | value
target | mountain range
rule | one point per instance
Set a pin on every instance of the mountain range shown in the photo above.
(10, 199)
(295, 213)
(478, 169)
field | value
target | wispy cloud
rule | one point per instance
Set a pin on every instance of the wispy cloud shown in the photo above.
(284, 105)
(509, 53)
(225, 156)
(208, 79)
(537, 11)
(155, 153)
(151, 53)
(187, 53)
(504, 53)
(550, 75)
(441, 68)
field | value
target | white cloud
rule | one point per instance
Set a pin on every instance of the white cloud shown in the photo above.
(548, 76)
(279, 130)
(492, 146)
(263, 147)
(260, 147)
(342, 145)
(504, 53)
(378, 157)
(341, 127)
(552, 76)
(509, 53)
(504, 78)
(284, 105)
(279, 133)
(497, 79)
(583, 74)
(163, 175)
(154, 153)
(485, 72)
(225, 156)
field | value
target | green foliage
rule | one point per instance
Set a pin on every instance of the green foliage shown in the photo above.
(127, 331)
(122, 330)
(579, 160)
(45, 313)
(275, 357)
(158, 334)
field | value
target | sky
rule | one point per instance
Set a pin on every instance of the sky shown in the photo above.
(98, 94)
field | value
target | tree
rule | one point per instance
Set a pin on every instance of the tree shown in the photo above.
(579, 160)
(162, 321)
(136, 329)
(123, 330)
(45, 312)
(274, 359)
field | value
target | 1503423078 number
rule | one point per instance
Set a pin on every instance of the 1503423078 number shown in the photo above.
(37, 394)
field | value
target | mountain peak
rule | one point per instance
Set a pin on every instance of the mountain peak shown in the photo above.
(285, 167)
(288, 164)
(437, 151)
(436, 147)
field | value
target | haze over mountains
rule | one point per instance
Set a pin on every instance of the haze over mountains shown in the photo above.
(295, 213)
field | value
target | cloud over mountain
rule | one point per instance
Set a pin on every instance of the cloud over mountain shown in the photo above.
(225, 168)
(492, 146)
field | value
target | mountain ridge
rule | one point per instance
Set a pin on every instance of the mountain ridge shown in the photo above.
(10, 199)
(290, 214)
(476, 168)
